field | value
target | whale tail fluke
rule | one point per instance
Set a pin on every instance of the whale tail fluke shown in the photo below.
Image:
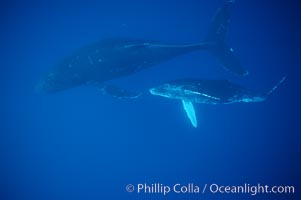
(216, 39)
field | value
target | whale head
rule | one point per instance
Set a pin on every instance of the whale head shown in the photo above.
(53, 82)
(167, 90)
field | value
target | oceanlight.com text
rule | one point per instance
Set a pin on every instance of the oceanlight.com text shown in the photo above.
(251, 189)
(213, 188)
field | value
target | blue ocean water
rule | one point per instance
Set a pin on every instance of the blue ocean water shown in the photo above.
(79, 144)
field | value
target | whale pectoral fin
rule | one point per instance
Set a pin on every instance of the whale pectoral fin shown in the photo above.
(118, 92)
(188, 107)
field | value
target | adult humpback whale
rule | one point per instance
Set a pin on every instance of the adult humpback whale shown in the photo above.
(114, 58)
(191, 91)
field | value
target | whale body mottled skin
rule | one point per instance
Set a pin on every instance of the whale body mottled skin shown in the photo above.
(212, 92)
(113, 58)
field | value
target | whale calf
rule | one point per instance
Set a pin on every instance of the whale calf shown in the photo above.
(113, 58)
(213, 92)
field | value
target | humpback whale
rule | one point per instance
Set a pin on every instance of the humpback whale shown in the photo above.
(213, 92)
(113, 58)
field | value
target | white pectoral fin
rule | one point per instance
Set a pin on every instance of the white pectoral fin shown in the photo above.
(188, 107)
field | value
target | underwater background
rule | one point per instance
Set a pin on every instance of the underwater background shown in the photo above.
(79, 144)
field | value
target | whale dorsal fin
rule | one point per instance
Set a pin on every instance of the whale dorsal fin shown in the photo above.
(188, 107)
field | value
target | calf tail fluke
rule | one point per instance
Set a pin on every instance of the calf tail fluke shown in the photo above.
(277, 85)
